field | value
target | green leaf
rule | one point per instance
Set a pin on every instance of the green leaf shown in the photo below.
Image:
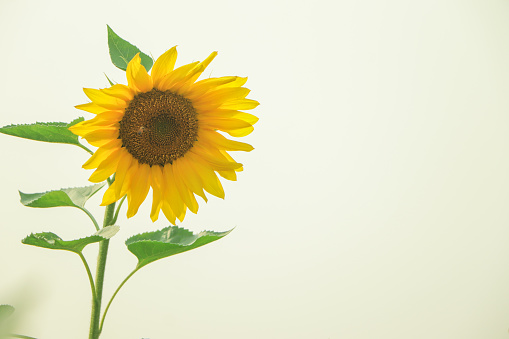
(54, 242)
(5, 311)
(121, 52)
(57, 132)
(151, 246)
(74, 197)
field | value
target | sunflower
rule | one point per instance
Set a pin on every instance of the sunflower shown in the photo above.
(163, 131)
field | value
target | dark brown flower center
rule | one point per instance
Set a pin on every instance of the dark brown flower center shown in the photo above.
(158, 127)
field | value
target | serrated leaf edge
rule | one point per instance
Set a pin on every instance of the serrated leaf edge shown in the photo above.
(45, 123)
(136, 48)
(61, 190)
(149, 240)
(39, 124)
(90, 236)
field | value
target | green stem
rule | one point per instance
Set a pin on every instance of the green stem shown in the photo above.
(99, 277)
(85, 148)
(90, 278)
(91, 218)
(113, 297)
(118, 209)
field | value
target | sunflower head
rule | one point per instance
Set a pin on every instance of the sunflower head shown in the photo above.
(164, 131)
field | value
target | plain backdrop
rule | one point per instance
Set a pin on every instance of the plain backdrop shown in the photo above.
(373, 206)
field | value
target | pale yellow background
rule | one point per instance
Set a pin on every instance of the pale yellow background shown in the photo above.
(375, 204)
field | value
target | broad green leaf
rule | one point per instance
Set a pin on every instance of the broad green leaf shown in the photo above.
(54, 242)
(57, 132)
(5, 311)
(74, 197)
(151, 246)
(121, 52)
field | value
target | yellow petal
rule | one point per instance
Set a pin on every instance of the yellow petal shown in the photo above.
(185, 81)
(209, 179)
(185, 194)
(119, 91)
(240, 104)
(228, 113)
(137, 76)
(164, 65)
(189, 177)
(229, 157)
(102, 154)
(228, 175)
(85, 129)
(175, 76)
(214, 158)
(223, 95)
(203, 86)
(105, 119)
(156, 181)
(124, 164)
(106, 168)
(168, 212)
(249, 118)
(208, 60)
(241, 132)
(198, 71)
(91, 108)
(102, 136)
(139, 189)
(179, 194)
(102, 99)
(234, 127)
(239, 82)
(171, 194)
(109, 196)
(222, 142)
(223, 124)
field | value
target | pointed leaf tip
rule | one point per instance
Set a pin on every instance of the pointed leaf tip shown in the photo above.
(151, 246)
(121, 52)
(52, 241)
(73, 197)
(54, 132)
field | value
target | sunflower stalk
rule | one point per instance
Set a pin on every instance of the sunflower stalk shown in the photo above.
(99, 278)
